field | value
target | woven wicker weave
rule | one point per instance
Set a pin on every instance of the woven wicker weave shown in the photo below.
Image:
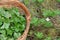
(18, 4)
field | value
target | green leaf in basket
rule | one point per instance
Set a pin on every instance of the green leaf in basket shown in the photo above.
(5, 25)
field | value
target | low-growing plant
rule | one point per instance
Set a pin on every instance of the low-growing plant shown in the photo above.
(26, 2)
(48, 38)
(58, 1)
(40, 1)
(39, 35)
(45, 23)
(41, 21)
(34, 21)
(57, 38)
(50, 13)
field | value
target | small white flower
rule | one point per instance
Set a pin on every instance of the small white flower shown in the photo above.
(47, 19)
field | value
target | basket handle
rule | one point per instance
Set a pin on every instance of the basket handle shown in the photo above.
(27, 14)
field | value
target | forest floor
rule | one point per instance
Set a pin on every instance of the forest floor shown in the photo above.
(38, 31)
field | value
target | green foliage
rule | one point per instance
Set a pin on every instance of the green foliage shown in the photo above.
(5, 25)
(39, 35)
(48, 13)
(11, 22)
(57, 12)
(34, 21)
(2, 37)
(41, 21)
(58, 1)
(33, 0)
(48, 24)
(16, 35)
(48, 38)
(10, 39)
(3, 32)
(58, 38)
(26, 2)
(40, 1)
(45, 23)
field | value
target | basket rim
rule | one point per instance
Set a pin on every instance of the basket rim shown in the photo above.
(27, 14)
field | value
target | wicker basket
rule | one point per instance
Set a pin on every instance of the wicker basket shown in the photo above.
(27, 14)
